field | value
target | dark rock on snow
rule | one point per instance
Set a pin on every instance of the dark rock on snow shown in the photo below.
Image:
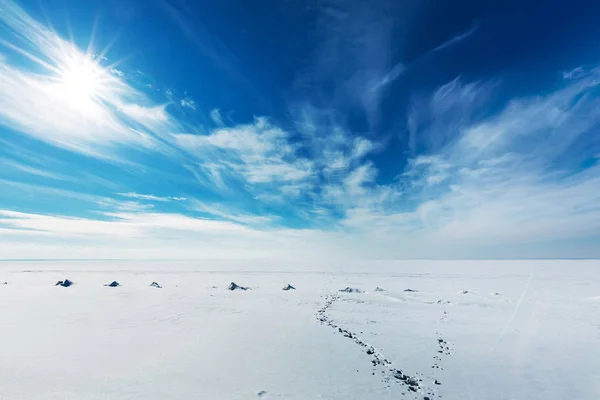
(113, 284)
(65, 283)
(378, 289)
(351, 290)
(234, 286)
(156, 285)
(288, 287)
(410, 290)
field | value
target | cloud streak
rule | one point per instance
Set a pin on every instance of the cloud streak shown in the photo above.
(150, 197)
(455, 39)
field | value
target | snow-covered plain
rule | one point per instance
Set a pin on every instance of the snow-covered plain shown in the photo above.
(482, 329)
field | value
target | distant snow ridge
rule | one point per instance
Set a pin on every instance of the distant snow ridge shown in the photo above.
(65, 283)
(113, 284)
(351, 290)
(234, 286)
(156, 285)
(288, 287)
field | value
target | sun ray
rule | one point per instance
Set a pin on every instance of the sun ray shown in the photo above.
(110, 44)
(90, 46)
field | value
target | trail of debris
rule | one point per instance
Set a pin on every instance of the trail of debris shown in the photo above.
(444, 348)
(412, 383)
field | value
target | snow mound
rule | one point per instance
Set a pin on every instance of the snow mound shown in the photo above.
(351, 290)
(113, 284)
(65, 283)
(156, 285)
(411, 290)
(288, 287)
(378, 289)
(234, 286)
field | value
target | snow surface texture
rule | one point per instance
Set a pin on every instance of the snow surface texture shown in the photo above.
(469, 330)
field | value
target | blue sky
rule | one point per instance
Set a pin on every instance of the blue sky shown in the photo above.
(299, 129)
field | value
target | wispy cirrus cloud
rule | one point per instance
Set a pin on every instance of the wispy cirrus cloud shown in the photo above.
(150, 197)
(145, 234)
(574, 73)
(455, 39)
(258, 153)
(116, 72)
(8, 164)
(215, 116)
(354, 58)
(221, 212)
(511, 178)
(188, 103)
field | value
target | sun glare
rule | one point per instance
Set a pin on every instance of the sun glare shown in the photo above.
(80, 83)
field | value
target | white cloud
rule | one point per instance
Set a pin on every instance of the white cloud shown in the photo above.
(500, 184)
(216, 117)
(145, 115)
(7, 163)
(124, 206)
(143, 234)
(188, 102)
(362, 146)
(46, 192)
(221, 212)
(435, 121)
(259, 153)
(116, 72)
(150, 197)
(458, 38)
(356, 180)
(574, 73)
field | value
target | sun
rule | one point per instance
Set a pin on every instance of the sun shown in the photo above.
(80, 83)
